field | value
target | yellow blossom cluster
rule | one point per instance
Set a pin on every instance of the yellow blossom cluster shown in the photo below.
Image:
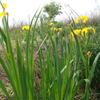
(81, 19)
(3, 13)
(84, 31)
(54, 28)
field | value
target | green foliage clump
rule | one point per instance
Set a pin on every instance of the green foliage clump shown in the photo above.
(52, 9)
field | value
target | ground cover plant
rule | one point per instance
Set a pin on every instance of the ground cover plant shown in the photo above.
(66, 56)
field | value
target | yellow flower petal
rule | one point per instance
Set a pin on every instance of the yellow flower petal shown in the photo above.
(4, 5)
(84, 31)
(51, 24)
(76, 32)
(3, 14)
(89, 54)
(76, 20)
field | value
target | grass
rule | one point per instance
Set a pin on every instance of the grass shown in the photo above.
(62, 59)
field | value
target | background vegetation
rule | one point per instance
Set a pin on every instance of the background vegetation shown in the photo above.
(50, 60)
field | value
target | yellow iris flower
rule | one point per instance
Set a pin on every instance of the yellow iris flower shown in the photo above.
(83, 19)
(86, 30)
(76, 32)
(26, 27)
(2, 14)
(4, 5)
